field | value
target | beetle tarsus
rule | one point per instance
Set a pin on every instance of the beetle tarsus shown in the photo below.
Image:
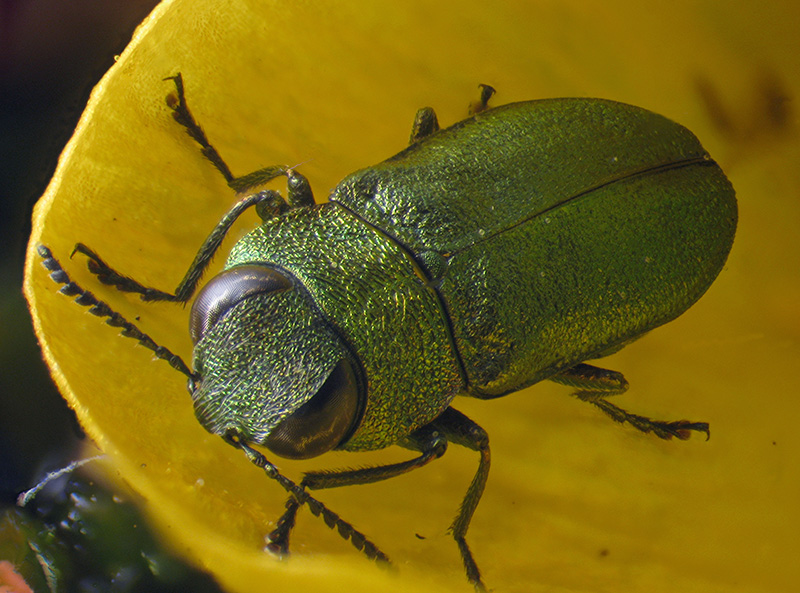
(181, 114)
(666, 430)
(278, 538)
(473, 572)
(594, 384)
(482, 104)
(107, 275)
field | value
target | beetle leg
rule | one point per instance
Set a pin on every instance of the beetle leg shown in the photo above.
(278, 538)
(461, 430)
(428, 441)
(425, 124)
(586, 377)
(298, 196)
(107, 275)
(595, 384)
(482, 104)
(299, 190)
(268, 204)
(181, 114)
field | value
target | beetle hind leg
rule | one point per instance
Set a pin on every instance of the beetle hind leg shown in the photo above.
(594, 385)
(482, 104)
(681, 429)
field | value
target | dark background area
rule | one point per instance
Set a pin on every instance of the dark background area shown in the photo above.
(52, 52)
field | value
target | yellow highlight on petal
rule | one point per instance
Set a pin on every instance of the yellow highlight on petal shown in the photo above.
(574, 503)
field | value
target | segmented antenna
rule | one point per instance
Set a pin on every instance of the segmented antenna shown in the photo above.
(317, 508)
(97, 307)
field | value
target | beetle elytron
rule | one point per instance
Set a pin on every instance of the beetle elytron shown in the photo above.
(506, 249)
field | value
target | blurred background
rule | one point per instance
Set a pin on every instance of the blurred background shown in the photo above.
(51, 55)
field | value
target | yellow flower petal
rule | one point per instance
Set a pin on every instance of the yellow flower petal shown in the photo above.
(573, 503)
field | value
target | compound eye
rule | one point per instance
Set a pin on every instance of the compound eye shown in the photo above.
(228, 288)
(323, 422)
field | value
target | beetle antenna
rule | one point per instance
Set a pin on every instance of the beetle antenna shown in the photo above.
(317, 508)
(101, 309)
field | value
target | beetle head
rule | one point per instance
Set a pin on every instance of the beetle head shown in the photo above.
(269, 367)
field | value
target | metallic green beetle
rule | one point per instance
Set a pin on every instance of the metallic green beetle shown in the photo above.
(485, 257)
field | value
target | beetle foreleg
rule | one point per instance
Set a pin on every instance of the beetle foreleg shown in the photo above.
(278, 538)
(595, 384)
(107, 275)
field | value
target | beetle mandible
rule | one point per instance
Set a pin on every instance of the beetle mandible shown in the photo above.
(506, 249)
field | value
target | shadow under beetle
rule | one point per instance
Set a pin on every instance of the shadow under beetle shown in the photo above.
(506, 249)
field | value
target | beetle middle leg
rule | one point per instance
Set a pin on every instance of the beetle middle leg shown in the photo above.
(595, 384)
(460, 430)
(425, 124)
(431, 440)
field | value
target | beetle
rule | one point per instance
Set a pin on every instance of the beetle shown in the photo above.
(507, 249)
